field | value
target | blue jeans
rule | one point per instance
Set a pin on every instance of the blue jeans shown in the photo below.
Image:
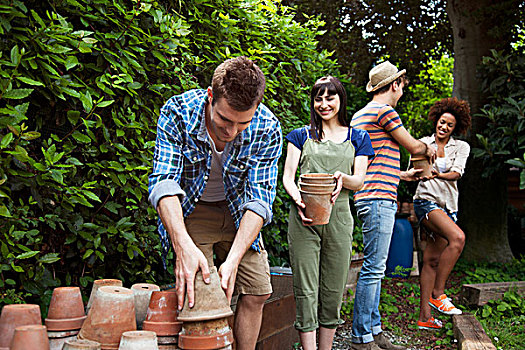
(378, 217)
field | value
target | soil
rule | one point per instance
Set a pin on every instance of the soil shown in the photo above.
(401, 326)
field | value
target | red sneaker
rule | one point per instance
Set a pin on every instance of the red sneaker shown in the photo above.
(432, 323)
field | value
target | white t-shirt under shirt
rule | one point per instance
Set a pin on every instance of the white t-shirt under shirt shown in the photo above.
(214, 190)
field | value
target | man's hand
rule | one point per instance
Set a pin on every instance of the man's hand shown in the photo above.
(411, 175)
(433, 176)
(228, 274)
(190, 259)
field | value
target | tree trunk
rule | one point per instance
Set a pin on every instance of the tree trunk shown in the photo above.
(483, 202)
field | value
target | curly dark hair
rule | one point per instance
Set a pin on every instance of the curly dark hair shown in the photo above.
(460, 109)
(240, 81)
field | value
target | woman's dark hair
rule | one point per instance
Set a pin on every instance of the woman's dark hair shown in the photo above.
(332, 86)
(458, 108)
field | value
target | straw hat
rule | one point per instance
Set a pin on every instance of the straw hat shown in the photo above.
(382, 75)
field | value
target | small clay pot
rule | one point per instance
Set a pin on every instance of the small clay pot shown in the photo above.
(57, 339)
(211, 334)
(112, 313)
(142, 294)
(210, 301)
(30, 337)
(101, 283)
(138, 340)
(321, 188)
(422, 162)
(66, 310)
(317, 206)
(162, 315)
(16, 315)
(317, 178)
(81, 344)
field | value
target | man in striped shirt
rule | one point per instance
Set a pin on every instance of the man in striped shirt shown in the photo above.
(376, 201)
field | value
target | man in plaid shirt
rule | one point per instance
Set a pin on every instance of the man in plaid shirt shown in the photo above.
(213, 184)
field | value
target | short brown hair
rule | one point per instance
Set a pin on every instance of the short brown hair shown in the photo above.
(240, 81)
(460, 109)
(402, 79)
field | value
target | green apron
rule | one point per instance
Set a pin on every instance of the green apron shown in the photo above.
(320, 255)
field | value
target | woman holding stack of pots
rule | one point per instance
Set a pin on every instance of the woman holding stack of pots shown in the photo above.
(320, 254)
(436, 207)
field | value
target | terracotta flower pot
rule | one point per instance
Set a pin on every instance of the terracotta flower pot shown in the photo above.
(30, 337)
(57, 339)
(112, 313)
(210, 301)
(81, 344)
(161, 317)
(322, 188)
(101, 283)
(138, 340)
(16, 315)
(212, 334)
(66, 310)
(317, 178)
(142, 294)
(318, 206)
(422, 162)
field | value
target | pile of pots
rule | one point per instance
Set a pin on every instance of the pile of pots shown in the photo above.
(115, 317)
(316, 192)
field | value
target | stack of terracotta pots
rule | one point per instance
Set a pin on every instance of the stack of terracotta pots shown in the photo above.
(205, 325)
(142, 294)
(162, 318)
(65, 316)
(316, 192)
(101, 283)
(14, 318)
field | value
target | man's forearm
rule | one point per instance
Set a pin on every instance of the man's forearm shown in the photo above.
(170, 212)
(249, 228)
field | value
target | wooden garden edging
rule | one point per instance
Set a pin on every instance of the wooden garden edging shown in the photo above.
(470, 334)
(479, 294)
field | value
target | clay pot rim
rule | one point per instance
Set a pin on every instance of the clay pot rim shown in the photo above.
(315, 193)
(317, 175)
(163, 328)
(223, 314)
(419, 158)
(316, 185)
(205, 342)
(64, 324)
(139, 333)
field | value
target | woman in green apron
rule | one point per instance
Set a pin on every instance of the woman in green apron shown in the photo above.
(320, 254)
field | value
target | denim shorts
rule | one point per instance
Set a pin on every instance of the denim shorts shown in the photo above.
(422, 207)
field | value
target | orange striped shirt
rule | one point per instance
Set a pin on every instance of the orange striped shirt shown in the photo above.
(382, 175)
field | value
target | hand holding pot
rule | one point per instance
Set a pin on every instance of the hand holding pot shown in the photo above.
(190, 259)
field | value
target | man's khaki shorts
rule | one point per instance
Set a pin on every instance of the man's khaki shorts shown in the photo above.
(212, 229)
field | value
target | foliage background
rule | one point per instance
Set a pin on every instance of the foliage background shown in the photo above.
(80, 86)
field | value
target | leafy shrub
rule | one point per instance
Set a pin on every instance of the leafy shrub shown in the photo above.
(81, 83)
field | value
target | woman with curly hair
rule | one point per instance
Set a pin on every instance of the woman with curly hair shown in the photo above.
(436, 207)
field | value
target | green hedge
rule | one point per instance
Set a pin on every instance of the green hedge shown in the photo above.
(81, 83)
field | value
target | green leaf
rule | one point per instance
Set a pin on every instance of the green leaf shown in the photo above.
(6, 140)
(91, 195)
(27, 255)
(49, 258)
(87, 101)
(15, 55)
(71, 62)
(30, 81)
(81, 137)
(105, 103)
(17, 94)
(30, 135)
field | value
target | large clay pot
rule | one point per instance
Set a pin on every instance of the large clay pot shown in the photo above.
(422, 162)
(138, 340)
(81, 344)
(317, 206)
(321, 188)
(16, 315)
(112, 313)
(142, 294)
(161, 317)
(211, 334)
(210, 301)
(30, 337)
(66, 310)
(317, 178)
(101, 283)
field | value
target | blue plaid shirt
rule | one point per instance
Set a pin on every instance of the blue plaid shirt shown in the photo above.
(182, 161)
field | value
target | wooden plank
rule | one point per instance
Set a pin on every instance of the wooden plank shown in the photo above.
(479, 294)
(470, 334)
